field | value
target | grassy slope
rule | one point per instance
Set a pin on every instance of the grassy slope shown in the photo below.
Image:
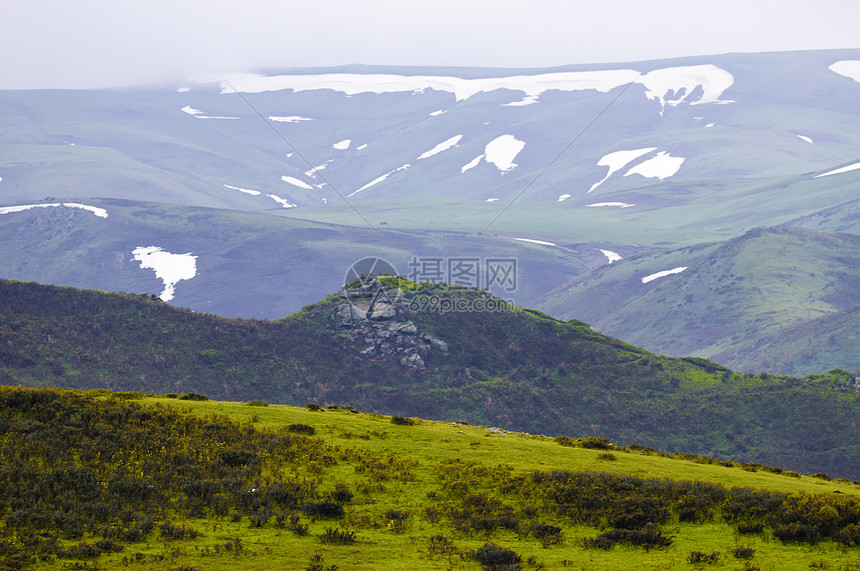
(518, 361)
(427, 447)
(737, 302)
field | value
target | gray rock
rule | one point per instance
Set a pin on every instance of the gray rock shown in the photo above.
(381, 312)
(412, 360)
(346, 315)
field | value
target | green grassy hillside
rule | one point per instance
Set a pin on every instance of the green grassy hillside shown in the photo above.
(737, 302)
(115, 480)
(518, 370)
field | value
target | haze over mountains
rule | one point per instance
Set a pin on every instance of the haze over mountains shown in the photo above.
(702, 206)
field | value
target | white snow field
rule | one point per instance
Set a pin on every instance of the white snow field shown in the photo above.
(342, 145)
(805, 138)
(296, 182)
(663, 274)
(848, 67)
(443, 146)
(282, 201)
(201, 115)
(662, 166)
(169, 268)
(668, 86)
(617, 161)
(602, 204)
(379, 179)
(502, 151)
(541, 242)
(100, 212)
(245, 190)
(611, 256)
(849, 168)
(290, 119)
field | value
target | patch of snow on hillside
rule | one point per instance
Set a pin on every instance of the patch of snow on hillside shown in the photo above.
(849, 68)
(709, 125)
(199, 114)
(611, 256)
(379, 179)
(290, 119)
(662, 166)
(675, 85)
(807, 139)
(282, 201)
(563, 197)
(360, 147)
(100, 212)
(663, 274)
(296, 182)
(492, 199)
(541, 242)
(617, 161)
(354, 83)
(245, 190)
(169, 268)
(342, 145)
(437, 113)
(849, 168)
(312, 173)
(502, 151)
(443, 146)
(527, 100)
(183, 90)
(602, 204)
(471, 164)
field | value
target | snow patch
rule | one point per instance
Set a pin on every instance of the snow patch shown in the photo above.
(360, 147)
(296, 182)
(602, 204)
(709, 125)
(200, 114)
(443, 146)
(563, 197)
(282, 201)
(662, 166)
(169, 268)
(541, 242)
(471, 164)
(437, 113)
(502, 151)
(353, 83)
(611, 256)
(245, 190)
(100, 212)
(492, 199)
(663, 274)
(290, 119)
(183, 90)
(312, 173)
(807, 139)
(849, 68)
(675, 85)
(617, 161)
(379, 179)
(342, 145)
(849, 168)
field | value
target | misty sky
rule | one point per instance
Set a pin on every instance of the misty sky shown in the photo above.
(99, 43)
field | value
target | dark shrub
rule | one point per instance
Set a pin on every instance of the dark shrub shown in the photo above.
(337, 537)
(341, 493)
(799, 532)
(699, 557)
(750, 527)
(325, 509)
(849, 535)
(193, 396)
(564, 440)
(236, 458)
(301, 429)
(494, 557)
(743, 552)
(169, 530)
(607, 456)
(257, 403)
(314, 407)
(402, 420)
(649, 537)
(596, 443)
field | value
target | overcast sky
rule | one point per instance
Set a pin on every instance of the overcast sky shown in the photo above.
(99, 43)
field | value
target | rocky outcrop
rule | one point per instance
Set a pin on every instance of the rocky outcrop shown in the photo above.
(379, 317)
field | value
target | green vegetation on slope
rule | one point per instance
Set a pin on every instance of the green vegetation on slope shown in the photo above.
(499, 368)
(95, 479)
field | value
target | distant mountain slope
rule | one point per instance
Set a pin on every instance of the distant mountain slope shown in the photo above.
(399, 350)
(586, 163)
(733, 301)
